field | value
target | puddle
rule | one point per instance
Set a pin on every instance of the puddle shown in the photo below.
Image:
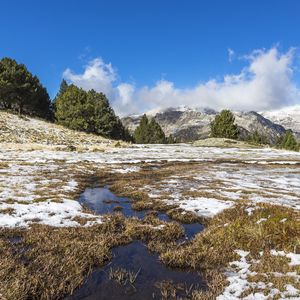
(103, 201)
(15, 240)
(133, 257)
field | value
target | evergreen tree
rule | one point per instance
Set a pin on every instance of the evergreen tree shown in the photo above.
(171, 139)
(22, 92)
(288, 141)
(70, 110)
(223, 125)
(62, 88)
(149, 132)
(257, 138)
(90, 112)
(141, 133)
(156, 136)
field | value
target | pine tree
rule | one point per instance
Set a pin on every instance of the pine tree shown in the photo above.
(141, 132)
(257, 138)
(149, 132)
(62, 89)
(223, 125)
(90, 112)
(288, 142)
(171, 139)
(156, 136)
(22, 92)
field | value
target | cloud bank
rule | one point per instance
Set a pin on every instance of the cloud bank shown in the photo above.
(265, 83)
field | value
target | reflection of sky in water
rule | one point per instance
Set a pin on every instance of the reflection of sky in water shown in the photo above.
(95, 199)
(134, 257)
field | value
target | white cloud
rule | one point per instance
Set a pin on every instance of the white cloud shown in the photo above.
(124, 103)
(265, 83)
(97, 75)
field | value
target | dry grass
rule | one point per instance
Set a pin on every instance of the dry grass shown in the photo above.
(35, 134)
(48, 263)
(8, 211)
(52, 262)
(275, 269)
(214, 248)
(123, 276)
(183, 216)
(118, 208)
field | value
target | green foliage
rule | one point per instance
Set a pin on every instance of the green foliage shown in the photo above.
(171, 139)
(223, 125)
(142, 132)
(88, 111)
(149, 132)
(157, 136)
(22, 92)
(63, 87)
(257, 138)
(288, 141)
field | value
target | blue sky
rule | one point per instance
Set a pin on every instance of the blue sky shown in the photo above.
(178, 44)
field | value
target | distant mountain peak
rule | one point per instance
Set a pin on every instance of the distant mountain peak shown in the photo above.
(189, 124)
(289, 117)
(181, 108)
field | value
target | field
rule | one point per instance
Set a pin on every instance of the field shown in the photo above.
(247, 199)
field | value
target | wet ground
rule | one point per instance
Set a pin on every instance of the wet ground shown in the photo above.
(102, 201)
(133, 257)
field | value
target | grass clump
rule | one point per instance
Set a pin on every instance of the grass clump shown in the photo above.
(50, 262)
(118, 208)
(8, 210)
(183, 216)
(214, 248)
(123, 276)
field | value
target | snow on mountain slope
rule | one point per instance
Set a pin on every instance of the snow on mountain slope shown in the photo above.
(289, 117)
(190, 124)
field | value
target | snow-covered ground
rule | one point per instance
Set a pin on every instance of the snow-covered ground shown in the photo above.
(239, 283)
(39, 186)
(154, 153)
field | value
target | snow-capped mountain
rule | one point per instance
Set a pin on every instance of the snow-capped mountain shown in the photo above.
(189, 124)
(289, 117)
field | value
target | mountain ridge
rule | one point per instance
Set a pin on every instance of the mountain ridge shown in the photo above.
(188, 124)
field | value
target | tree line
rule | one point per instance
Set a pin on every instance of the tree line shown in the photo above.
(22, 92)
(150, 132)
(223, 126)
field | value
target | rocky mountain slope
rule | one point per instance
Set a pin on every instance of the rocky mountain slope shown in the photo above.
(187, 124)
(288, 117)
(32, 132)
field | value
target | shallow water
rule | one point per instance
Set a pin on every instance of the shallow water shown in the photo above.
(133, 257)
(102, 201)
